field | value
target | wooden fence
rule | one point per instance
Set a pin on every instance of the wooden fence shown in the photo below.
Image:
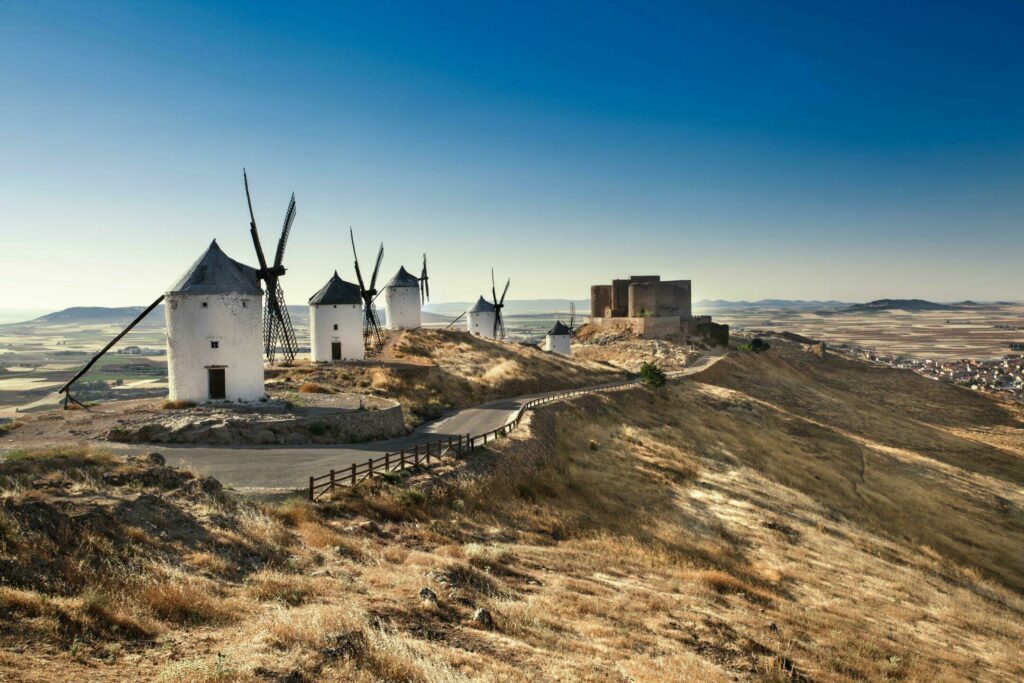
(421, 454)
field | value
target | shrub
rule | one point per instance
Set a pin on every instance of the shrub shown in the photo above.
(755, 345)
(652, 375)
(313, 388)
(318, 429)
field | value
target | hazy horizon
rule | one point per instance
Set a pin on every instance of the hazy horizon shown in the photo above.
(850, 152)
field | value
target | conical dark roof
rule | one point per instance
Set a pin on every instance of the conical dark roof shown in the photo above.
(559, 330)
(336, 291)
(403, 278)
(217, 273)
(482, 306)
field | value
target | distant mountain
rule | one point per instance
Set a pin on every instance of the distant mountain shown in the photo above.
(95, 315)
(721, 304)
(909, 305)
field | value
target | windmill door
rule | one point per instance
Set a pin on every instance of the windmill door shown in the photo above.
(335, 350)
(217, 384)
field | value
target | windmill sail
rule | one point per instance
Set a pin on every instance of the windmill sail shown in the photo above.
(277, 324)
(373, 336)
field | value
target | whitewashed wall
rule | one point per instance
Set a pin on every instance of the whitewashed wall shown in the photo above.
(481, 324)
(348, 318)
(402, 307)
(558, 343)
(235, 322)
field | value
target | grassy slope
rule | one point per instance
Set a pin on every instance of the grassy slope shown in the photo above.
(430, 371)
(787, 518)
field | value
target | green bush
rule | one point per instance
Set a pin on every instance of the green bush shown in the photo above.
(652, 375)
(755, 345)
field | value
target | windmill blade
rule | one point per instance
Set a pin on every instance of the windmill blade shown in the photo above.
(252, 228)
(376, 268)
(507, 283)
(289, 218)
(461, 316)
(424, 283)
(494, 293)
(572, 315)
(359, 275)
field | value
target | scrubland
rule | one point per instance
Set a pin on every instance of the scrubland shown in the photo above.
(782, 517)
(431, 371)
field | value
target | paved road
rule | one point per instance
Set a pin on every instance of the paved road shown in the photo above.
(289, 467)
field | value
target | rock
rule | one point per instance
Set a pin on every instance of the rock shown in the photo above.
(205, 485)
(772, 626)
(156, 459)
(427, 595)
(483, 618)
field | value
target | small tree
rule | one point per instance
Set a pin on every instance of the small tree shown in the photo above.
(652, 375)
(757, 345)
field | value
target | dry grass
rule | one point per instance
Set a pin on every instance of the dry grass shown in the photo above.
(439, 370)
(177, 404)
(313, 388)
(772, 522)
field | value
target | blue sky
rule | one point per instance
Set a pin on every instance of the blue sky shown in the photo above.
(800, 149)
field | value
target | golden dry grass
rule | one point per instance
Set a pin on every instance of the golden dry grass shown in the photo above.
(771, 522)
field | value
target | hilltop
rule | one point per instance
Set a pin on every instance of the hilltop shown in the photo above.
(785, 516)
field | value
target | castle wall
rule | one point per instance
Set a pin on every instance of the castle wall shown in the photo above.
(643, 299)
(679, 294)
(620, 298)
(600, 300)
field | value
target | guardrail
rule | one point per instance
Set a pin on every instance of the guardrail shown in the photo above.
(421, 454)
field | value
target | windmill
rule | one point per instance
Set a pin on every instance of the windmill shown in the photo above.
(499, 322)
(277, 324)
(373, 337)
(424, 283)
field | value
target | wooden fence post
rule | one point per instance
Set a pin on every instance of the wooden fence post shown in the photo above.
(311, 488)
(401, 461)
(387, 462)
(332, 480)
(427, 460)
(369, 468)
(353, 474)
(416, 455)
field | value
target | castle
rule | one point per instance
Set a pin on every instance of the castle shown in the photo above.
(647, 305)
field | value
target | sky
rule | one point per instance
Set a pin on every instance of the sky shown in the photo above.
(807, 150)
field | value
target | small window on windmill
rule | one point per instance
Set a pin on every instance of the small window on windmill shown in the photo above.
(206, 305)
(244, 303)
(215, 345)
(335, 325)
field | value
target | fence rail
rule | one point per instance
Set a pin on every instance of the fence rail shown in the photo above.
(421, 454)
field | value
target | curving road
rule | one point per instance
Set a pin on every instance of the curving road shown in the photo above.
(289, 467)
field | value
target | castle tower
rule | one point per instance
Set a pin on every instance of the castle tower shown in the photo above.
(215, 331)
(402, 301)
(336, 322)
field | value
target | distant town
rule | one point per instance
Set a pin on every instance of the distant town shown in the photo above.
(1003, 377)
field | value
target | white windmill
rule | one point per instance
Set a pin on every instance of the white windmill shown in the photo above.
(336, 322)
(404, 296)
(559, 337)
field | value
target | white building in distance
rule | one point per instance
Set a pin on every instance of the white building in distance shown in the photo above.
(215, 331)
(402, 302)
(336, 322)
(559, 339)
(480, 319)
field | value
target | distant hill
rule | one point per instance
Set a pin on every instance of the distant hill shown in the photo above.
(909, 305)
(95, 315)
(722, 304)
